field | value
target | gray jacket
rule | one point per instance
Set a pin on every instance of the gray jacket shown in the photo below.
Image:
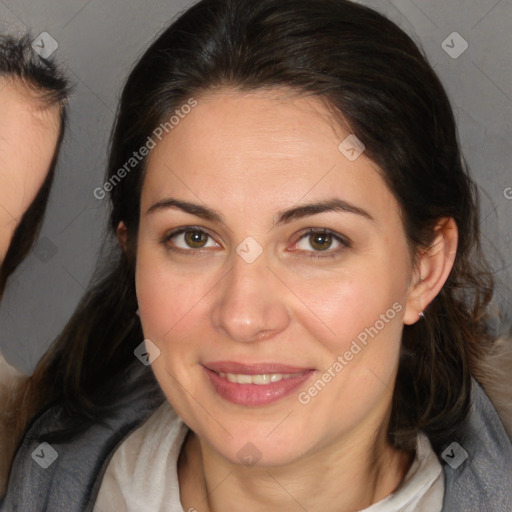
(477, 471)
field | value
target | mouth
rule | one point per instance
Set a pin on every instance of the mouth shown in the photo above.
(254, 384)
(259, 380)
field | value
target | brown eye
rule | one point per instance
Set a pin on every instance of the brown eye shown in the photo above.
(195, 239)
(320, 241)
(316, 241)
(189, 239)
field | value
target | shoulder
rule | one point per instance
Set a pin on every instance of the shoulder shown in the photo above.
(74, 450)
(11, 382)
(494, 374)
(478, 456)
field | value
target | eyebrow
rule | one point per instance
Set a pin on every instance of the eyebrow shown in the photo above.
(283, 217)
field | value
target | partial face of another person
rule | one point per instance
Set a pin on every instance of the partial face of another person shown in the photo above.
(251, 298)
(28, 137)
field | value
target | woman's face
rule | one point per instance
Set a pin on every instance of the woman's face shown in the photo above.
(247, 307)
(28, 137)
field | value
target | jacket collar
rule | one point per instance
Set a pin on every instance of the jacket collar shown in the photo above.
(478, 461)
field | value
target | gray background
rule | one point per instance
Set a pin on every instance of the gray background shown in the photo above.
(99, 41)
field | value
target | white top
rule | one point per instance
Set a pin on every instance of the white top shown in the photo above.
(142, 474)
(11, 382)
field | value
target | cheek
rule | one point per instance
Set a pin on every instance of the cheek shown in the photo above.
(171, 317)
(343, 306)
(168, 299)
(358, 339)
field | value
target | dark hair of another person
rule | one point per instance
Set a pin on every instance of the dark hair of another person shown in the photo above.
(376, 80)
(18, 61)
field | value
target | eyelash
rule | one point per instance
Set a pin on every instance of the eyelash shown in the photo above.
(329, 253)
(345, 243)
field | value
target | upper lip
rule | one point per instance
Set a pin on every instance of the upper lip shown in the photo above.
(253, 368)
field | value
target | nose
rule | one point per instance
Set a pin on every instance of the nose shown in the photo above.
(249, 304)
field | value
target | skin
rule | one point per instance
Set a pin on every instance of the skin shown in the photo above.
(268, 151)
(28, 138)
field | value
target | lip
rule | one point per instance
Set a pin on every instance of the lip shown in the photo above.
(253, 368)
(253, 395)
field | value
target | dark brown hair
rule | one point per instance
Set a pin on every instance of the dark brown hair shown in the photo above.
(380, 83)
(18, 61)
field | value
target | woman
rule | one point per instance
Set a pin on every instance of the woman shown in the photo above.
(299, 265)
(33, 94)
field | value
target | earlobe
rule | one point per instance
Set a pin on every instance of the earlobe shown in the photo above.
(122, 235)
(433, 267)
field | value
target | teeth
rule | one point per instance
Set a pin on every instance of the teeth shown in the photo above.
(260, 380)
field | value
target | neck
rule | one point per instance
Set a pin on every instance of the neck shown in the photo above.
(348, 476)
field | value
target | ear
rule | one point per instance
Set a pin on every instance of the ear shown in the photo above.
(433, 266)
(122, 235)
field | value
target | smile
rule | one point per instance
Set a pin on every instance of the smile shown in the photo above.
(260, 380)
(254, 384)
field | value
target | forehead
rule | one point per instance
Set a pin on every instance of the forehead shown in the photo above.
(28, 135)
(19, 99)
(257, 146)
(250, 125)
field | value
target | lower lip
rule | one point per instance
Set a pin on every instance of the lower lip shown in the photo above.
(254, 394)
